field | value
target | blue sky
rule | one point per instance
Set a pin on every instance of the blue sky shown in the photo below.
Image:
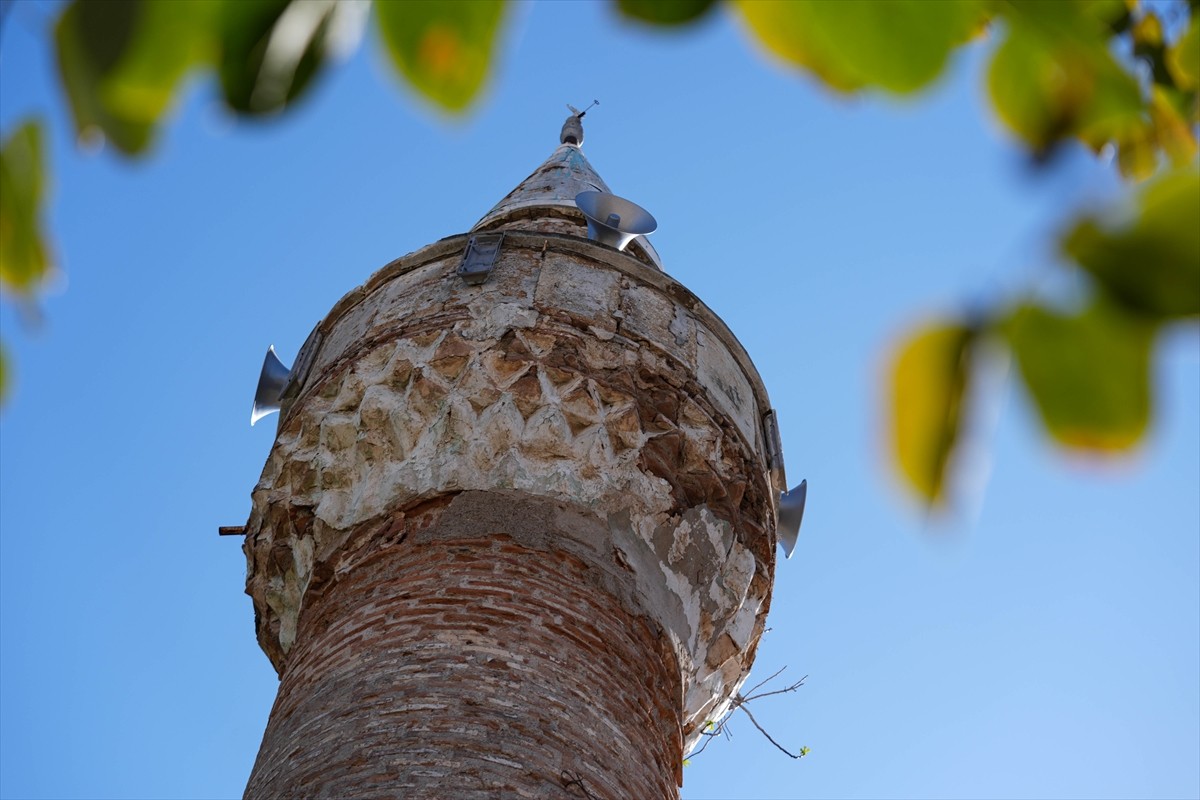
(1043, 643)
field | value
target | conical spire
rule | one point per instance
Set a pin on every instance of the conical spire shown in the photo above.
(552, 188)
(556, 182)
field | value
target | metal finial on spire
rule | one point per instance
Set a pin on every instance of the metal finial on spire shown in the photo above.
(572, 129)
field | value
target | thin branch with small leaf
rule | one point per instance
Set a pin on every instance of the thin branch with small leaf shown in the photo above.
(715, 728)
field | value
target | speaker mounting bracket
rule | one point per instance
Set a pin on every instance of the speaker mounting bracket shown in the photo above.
(482, 249)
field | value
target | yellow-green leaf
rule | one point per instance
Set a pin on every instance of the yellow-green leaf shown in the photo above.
(444, 49)
(928, 382)
(1183, 58)
(665, 12)
(1149, 263)
(896, 45)
(1148, 31)
(1088, 374)
(1172, 130)
(1137, 152)
(24, 257)
(121, 62)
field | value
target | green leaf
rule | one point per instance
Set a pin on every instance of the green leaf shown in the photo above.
(895, 45)
(272, 49)
(24, 257)
(928, 381)
(1088, 374)
(122, 61)
(1079, 20)
(1150, 263)
(170, 38)
(1047, 87)
(88, 43)
(665, 12)
(444, 49)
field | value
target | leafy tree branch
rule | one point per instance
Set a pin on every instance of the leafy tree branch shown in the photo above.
(1118, 77)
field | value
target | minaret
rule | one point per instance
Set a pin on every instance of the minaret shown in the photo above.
(515, 536)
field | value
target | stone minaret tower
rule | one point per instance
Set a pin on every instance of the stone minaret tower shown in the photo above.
(515, 538)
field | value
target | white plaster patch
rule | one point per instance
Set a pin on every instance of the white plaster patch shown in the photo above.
(679, 542)
(742, 626)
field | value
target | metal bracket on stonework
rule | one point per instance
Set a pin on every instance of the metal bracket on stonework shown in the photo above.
(482, 249)
(774, 446)
(790, 508)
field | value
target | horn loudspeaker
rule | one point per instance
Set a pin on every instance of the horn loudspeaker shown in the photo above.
(613, 220)
(271, 382)
(791, 513)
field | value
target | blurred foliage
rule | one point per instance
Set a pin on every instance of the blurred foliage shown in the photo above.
(1088, 373)
(1115, 76)
(25, 263)
(270, 51)
(1049, 80)
(443, 49)
(24, 258)
(122, 62)
(929, 378)
(895, 45)
(1147, 262)
(665, 12)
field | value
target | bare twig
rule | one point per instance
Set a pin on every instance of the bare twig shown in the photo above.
(784, 690)
(783, 749)
(740, 701)
(772, 677)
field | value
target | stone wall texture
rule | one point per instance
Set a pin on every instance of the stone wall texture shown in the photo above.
(510, 533)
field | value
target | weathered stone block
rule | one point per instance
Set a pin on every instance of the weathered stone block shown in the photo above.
(717, 370)
(567, 285)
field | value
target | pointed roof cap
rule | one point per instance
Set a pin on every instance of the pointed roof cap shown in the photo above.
(556, 182)
(553, 187)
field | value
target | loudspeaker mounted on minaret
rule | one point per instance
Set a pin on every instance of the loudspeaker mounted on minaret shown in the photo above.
(271, 382)
(613, 220)
(791, 514)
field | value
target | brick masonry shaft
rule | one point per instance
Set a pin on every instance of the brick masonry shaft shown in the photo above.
(465, 656)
